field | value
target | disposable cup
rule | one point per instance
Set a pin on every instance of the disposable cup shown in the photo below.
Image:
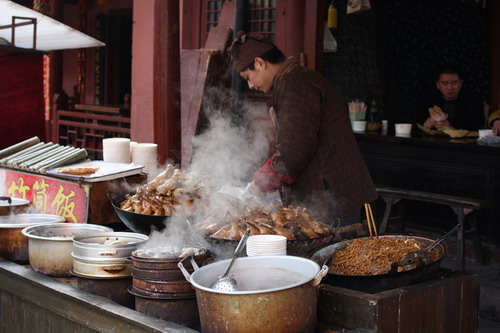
(359, 126)
(403, 130)
(116, 150)
(484, 133)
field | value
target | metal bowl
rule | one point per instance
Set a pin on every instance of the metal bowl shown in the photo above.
(381, 282)
(140, 223)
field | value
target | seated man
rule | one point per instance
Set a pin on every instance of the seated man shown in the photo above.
(464, 112)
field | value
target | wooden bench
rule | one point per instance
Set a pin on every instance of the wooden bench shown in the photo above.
(463, 207)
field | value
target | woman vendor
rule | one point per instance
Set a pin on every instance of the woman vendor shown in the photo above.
(317, 163)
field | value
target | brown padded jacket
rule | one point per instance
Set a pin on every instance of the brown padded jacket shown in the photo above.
(315, 143)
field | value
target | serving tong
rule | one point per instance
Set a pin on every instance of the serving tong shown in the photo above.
(418, 258)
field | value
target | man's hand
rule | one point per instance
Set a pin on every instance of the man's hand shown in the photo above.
(496, 127)
(430, 123)
(442, 124)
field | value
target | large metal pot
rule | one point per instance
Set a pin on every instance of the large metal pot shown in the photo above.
(9, 206)
(277, 294)
(13, 244)
(50, 246)
(378, 283)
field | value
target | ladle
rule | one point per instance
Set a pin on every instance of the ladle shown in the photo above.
(420, 257)
(226, 282)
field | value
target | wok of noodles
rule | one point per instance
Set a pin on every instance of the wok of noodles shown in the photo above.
(374, 256)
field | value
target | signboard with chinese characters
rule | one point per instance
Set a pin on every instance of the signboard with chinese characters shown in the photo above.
(48, 195)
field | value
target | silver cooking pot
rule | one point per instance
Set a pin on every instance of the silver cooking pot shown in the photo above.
(10, 206)
(277, 294)
(13, 244)
(50, 246)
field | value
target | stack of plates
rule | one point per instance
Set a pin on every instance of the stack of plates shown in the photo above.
(259, 245)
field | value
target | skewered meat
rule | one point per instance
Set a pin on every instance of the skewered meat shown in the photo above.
(172, 192)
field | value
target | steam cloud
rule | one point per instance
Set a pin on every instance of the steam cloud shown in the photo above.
(224, 153)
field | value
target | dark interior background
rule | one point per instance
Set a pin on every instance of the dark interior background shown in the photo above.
(391, 53)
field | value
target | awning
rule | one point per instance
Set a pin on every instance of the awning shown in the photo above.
(50, 34)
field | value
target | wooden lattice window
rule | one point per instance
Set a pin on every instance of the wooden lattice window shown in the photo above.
(212, 10)
(262, 17)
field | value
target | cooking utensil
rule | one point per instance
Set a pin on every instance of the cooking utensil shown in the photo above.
(370, 221)
(13, 244)
(277, 294)
(9, 206)
(226, 282)
(419, 258)
(140, 223)
(50, 245)
(381, 282)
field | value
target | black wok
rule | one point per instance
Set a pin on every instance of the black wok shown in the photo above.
(300, 248)
(378, 283)
(136, 222)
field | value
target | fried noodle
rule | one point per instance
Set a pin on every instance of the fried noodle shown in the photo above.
(375, 256)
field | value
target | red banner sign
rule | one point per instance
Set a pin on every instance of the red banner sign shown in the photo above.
(48, 195)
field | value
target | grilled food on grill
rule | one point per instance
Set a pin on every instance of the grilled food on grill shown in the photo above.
(292, 222)
(171, 193)
(367, 256)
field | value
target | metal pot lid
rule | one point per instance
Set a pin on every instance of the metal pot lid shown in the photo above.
(14, 202)
(26, 220)
(107, 239)
(62, 232)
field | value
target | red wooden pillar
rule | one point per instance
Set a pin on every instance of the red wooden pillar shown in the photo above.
(155, 107)
(299, 30)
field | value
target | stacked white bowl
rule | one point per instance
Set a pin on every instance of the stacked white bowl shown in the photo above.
(259, 245)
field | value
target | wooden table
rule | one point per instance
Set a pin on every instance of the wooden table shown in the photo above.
(442, 166)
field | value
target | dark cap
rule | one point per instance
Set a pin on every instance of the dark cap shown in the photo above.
(246, 47)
